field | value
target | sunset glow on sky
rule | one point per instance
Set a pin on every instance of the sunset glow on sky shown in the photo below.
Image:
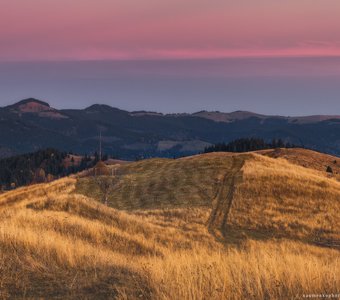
(274, 57)
(129, 29)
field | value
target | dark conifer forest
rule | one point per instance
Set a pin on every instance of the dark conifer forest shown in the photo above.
(41, 166)
(247, 144)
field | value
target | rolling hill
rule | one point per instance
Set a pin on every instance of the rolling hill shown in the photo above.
(307, 158)
(31, 124)
(212, 226)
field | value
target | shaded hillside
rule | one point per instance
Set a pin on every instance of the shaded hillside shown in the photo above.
(161, 183)
(32, 124)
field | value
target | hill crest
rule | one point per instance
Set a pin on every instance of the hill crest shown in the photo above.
(36, 105)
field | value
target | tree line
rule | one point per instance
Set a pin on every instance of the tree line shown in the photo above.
(41, 166)
(248, 144)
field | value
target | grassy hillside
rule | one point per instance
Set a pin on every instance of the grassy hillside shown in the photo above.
(228, 227)
(161, 183)
(308, 159)
(303, 201)
(280, 199)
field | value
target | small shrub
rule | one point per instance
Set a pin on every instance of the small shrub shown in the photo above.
(329, 170)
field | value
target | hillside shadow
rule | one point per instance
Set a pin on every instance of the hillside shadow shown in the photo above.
(237, 236)
(99, 283)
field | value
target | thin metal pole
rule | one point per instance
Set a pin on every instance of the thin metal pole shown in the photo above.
(100, 145)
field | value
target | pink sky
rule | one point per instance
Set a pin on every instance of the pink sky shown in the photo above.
(148, 29)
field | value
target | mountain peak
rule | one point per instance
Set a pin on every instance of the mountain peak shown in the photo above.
(30, 105)
(37, 107)
(32, 101)
(99, 107)
(103, 108)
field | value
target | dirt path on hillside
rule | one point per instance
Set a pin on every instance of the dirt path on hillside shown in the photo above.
(224, 197)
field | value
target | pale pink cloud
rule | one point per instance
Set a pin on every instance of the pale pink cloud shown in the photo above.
(117, 29)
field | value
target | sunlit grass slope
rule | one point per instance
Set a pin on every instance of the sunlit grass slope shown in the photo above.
(57, 243)
(277, 198)
(308, 159)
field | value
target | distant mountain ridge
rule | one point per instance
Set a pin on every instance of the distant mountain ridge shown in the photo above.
(241, 115)
(32, 105)
(32, 124)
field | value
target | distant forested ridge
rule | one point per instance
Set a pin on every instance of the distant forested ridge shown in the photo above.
(247, 144)
(32, 124)
(40, 166)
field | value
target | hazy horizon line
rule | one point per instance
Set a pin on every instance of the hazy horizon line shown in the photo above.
(173, 113)
(274, 56)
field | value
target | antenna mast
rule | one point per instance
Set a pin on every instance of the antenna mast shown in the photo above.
(100, 144)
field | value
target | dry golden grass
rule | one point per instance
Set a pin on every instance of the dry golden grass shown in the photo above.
(256, 270)
(166, 183)
(308, 159)
(56, 243)
(277, 198)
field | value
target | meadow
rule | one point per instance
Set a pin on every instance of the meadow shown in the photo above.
(214, 226)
